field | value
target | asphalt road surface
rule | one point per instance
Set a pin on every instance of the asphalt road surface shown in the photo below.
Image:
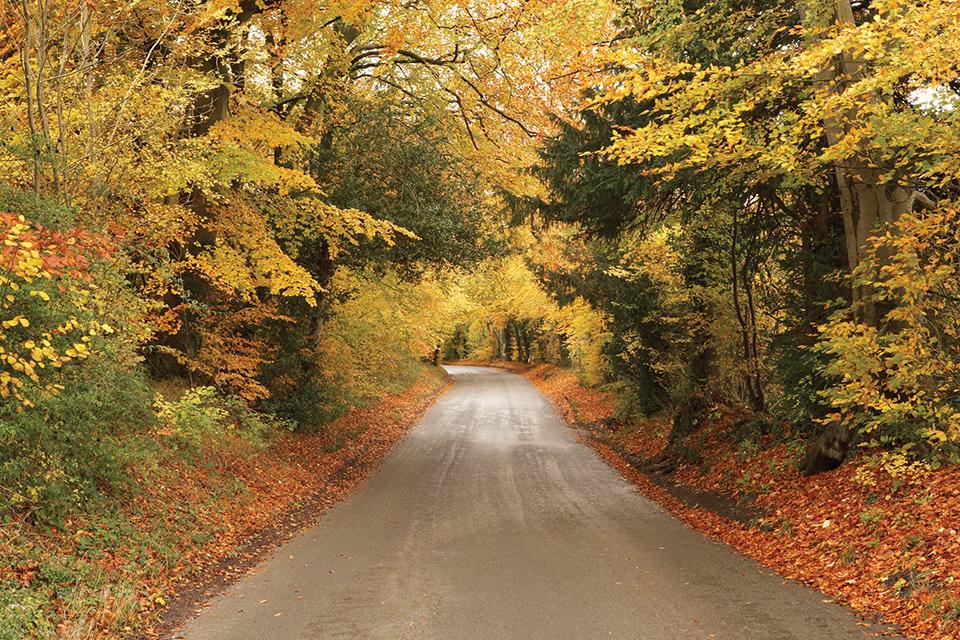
(490, 522)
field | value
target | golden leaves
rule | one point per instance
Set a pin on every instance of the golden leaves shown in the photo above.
(764, 117)
(896, 382)
(245, 256)
(30, 258)
(257, 131)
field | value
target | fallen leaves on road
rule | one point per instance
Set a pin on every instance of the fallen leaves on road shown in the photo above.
(888, 548)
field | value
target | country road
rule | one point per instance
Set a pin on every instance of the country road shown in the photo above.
(488, 522)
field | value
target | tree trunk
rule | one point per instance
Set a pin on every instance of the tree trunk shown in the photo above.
(865, 202)
(752, 378)
(28, 83)
(498, 347)
(523, 349)
(830, 449)
(702, 366)
(89, 63)
(209, 108)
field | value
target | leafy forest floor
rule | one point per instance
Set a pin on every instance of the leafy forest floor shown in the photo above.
(887, 547)
(139, 565)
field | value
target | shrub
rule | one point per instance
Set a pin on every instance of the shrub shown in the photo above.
(74, 444)
(191, 419)
(255, 427)
(72, 399)
(46, 316)
(896, 381)
(21, 614)
(203, 416)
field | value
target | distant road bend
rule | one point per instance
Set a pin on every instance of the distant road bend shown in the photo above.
(490, 522)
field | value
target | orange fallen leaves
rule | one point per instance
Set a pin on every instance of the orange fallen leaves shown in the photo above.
(890, 551)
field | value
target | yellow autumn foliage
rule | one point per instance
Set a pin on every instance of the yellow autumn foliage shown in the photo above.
(383, 328)
(896, 383)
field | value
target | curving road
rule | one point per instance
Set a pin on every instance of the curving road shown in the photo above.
(490, 522)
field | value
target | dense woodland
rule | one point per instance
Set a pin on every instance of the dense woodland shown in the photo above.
(270, 201)
(229, 220)
(754, 206)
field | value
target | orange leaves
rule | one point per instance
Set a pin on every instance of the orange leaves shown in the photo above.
(35, 262)
(234, 348)
(579, 404)
(504, 68)
(31, 251)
